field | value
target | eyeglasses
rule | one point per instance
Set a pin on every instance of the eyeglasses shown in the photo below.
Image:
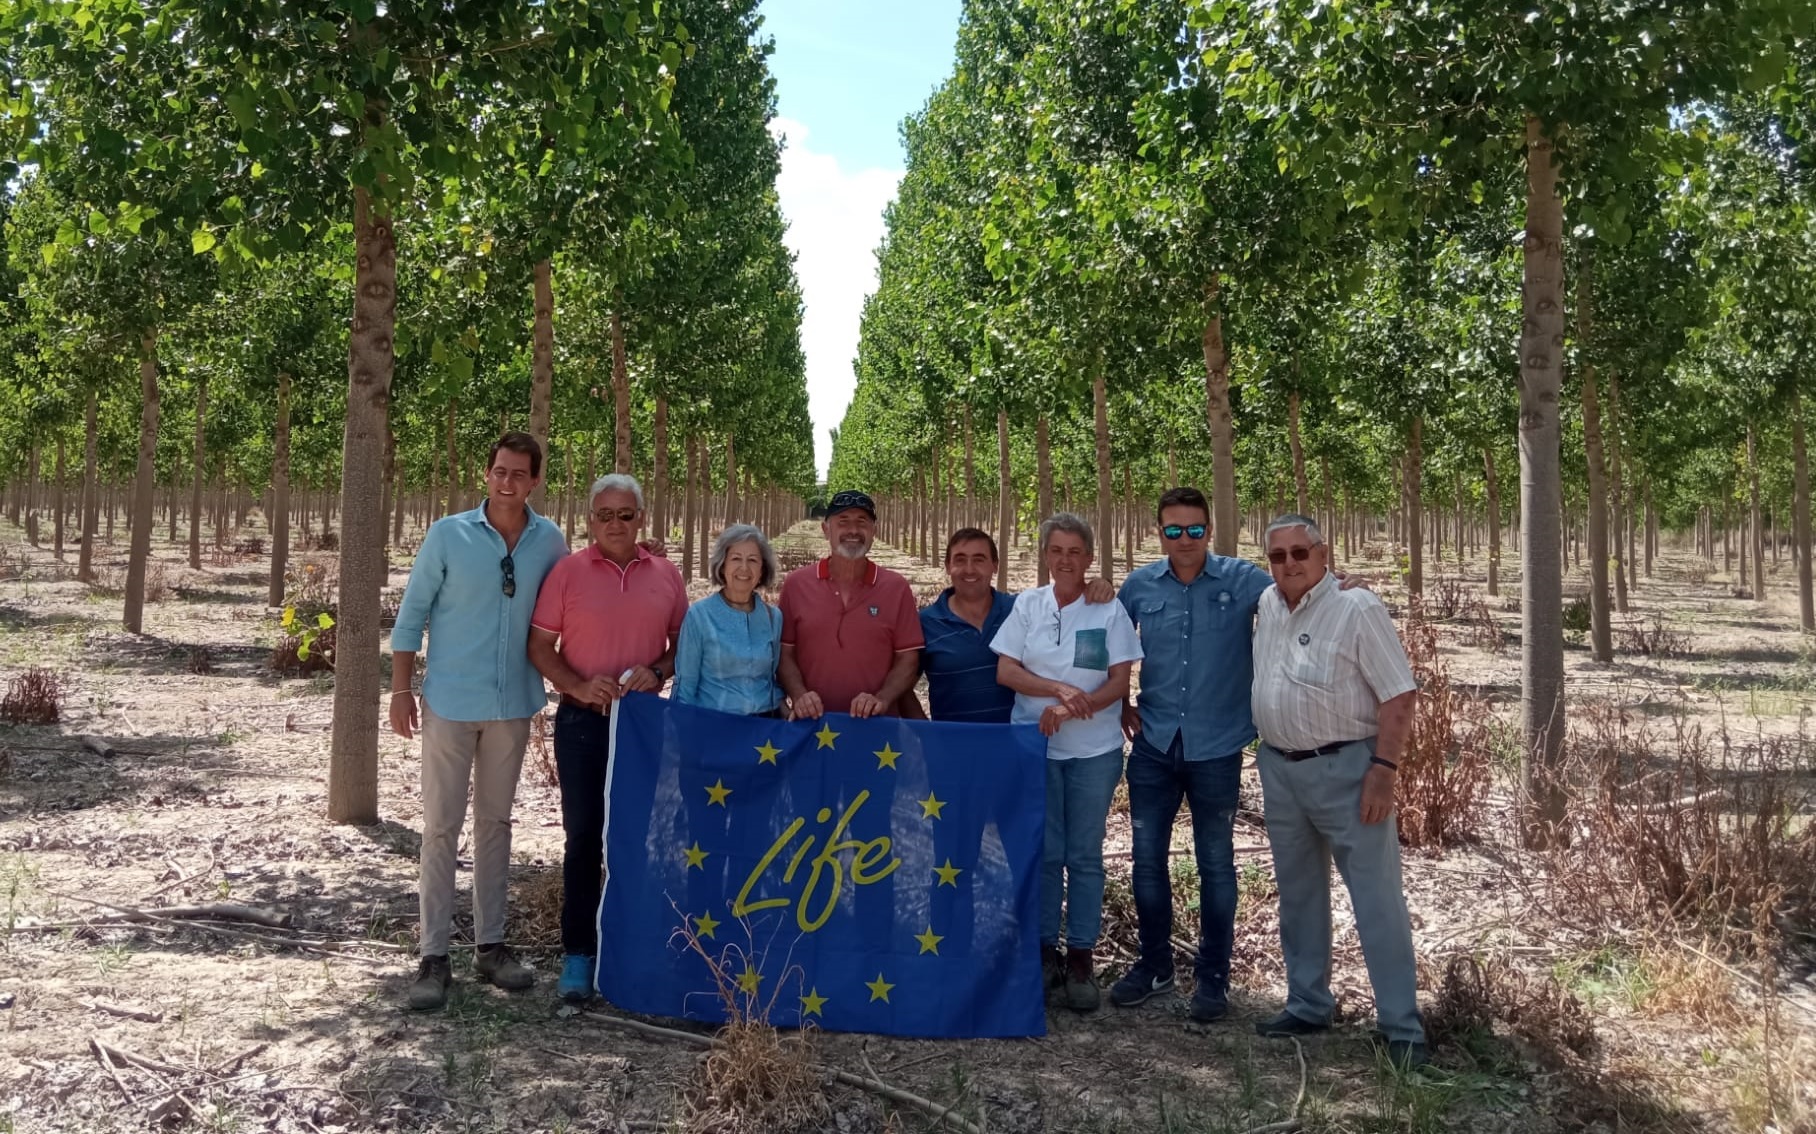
(1174, 531)
(510, 576)
(623, 515)
(1299, 554)
(1059, 628)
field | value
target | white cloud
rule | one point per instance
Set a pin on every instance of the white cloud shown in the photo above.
(835, 222)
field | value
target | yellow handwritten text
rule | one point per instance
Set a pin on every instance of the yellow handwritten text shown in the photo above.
(871, 862)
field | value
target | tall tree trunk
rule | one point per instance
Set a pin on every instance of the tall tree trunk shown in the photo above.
(1800, 513)
(621, 398)
(1106, 503)
(1329, 519)
(542, 365)
(1128, 521)
(1650, 536)
(353, 759)
(1224, 515)
(1414, 485)
(139, 556)
(973, 516)
(689, 499)
(660, 474)
(1758, 532)
(31, 497)
(91, 496)
(389, 474)
(197, 464)
(706, 507)
(1043, 476)
(1601, 633)
(1302, 492)
(1005, 499)
(731, 478)
(395, 493)
(57, 494)
(572, 504)
(1541, 576)
(454, 465)
(279, 520)
(1493, 491)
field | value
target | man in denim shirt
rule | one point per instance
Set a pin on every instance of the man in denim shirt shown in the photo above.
(1195, 612)
(474, 584)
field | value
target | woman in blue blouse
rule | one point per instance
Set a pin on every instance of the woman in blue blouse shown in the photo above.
(731, 640)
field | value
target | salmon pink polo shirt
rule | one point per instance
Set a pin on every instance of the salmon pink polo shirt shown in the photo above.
(611, 618)
(845, 649)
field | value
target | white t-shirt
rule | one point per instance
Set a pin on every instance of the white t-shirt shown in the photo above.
(1076, 644)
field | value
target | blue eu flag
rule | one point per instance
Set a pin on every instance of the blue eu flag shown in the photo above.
(874, 875)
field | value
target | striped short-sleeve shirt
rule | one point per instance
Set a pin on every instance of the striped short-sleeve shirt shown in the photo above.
(1323, 669)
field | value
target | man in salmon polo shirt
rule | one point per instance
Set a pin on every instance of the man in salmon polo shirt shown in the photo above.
(605, 624)
(851, 636)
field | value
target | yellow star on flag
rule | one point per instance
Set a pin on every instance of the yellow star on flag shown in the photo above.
(930, 941)
(948, 874)
(768, 753)
(718, 792)
(704, 925)
(930, 807)
(812, 1003)
(826, 736)
(879, 988)
(695, 856)
(748, 980)
(886, 758)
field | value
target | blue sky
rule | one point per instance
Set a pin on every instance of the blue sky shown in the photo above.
(847, 73)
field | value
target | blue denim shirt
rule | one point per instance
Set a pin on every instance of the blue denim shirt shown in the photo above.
(1197, 643)
(479, 661)
(726, 658)
(960, 665)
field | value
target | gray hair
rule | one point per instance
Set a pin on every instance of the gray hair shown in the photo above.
(731, 537)
(1293, 520)
(616, 482)
(1067, 522)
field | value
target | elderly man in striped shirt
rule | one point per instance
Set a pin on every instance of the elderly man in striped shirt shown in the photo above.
(1333, 701)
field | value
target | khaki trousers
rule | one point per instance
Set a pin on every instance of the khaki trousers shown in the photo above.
(488, 756)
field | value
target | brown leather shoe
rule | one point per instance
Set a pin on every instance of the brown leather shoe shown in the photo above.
(498, 965)
(430, 989)
(1082, 993)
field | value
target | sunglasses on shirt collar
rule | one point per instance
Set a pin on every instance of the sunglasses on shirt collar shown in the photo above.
(1174, 531)
(509, 566)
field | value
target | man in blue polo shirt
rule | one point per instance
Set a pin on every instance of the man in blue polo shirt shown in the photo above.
(958, 627)
(473, 585)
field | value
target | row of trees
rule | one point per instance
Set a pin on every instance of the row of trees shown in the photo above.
(199, 194)
(1364, 259)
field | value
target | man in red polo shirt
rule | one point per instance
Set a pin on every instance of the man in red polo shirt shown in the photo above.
(605, 624)
(851, 636)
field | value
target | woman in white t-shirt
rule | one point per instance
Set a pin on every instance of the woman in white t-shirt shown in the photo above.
(1068, 662)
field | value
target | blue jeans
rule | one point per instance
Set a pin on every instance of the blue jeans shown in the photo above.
(1158, 781)
(1071, 869)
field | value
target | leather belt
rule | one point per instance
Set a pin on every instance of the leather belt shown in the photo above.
(572, 703)
(1330, 749)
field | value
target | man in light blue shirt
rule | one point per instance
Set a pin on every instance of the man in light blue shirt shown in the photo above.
(474, 586)
(1195, 612)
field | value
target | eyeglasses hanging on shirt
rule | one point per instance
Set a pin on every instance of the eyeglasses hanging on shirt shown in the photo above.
(510, 576)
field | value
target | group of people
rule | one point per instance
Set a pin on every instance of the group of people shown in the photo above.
(1229, 654)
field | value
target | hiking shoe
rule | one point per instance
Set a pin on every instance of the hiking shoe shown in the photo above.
(1287, 1024)
(430, 989)
(1082, 993)
(1139, 985)
(1208, 1005)
(1052, 967)
(1405, 1055)
(500, 966)
(576, 978)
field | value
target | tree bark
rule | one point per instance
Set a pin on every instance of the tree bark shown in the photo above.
(1541, 575)
(572, 505)
(542, 366)
(973, 517)
(57, 503)
(31, 497)
(197, 464)
(1758, 533)
(1106, 503)
(1329, 519)
(91, 496)
(1800, 514)
(388, 497)
(454, 468)
(1414, 505)
(279, 520)
(1493, 491)
(621, 398)
(1302, 492)
(353, 759)
(731, 478)
(1601, 633)
(660, 475)
(1224, 514)
(139, 556)
(1005, 499)
(689, 498)
(1043, 474)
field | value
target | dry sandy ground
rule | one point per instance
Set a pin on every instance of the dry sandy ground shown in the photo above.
(216, 790)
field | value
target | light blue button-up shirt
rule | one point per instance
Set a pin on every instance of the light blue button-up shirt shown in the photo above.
(479, 663)
(1197, 643)
(726, 658)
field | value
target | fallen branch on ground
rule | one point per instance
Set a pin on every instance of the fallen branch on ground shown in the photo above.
(1294, 1121)
(126, 1012)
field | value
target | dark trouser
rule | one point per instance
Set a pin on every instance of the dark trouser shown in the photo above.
(582, 756)
(1158, 781)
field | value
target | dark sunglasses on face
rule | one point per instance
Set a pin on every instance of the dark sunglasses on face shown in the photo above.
(510, 576)
(1174, 531)
(607, 515)
(1299, 554)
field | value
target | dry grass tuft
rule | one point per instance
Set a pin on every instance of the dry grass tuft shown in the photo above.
(542, 748)
(535, 915)
(111, 581)
(1445, 771)
(1482, 631)
(33, 697)
(1654, 640)
(1475, 994)
(1446, 598)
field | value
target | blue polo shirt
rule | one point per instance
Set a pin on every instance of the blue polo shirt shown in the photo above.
(959, 664)
(479, 663)
(1197, 643)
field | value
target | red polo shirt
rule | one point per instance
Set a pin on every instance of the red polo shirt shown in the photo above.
(611, 618)
(846, 648)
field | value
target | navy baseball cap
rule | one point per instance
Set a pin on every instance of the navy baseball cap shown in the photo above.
(850, 499)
